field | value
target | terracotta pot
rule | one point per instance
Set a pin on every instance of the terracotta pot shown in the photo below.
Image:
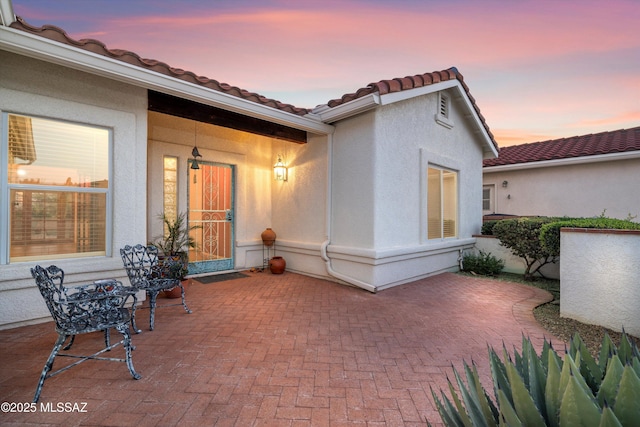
(176, 292)
(268, 237)
(277, 264)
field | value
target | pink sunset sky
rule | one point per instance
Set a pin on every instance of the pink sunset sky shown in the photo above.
(538, 69)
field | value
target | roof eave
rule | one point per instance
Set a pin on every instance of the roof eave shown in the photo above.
(368, 102)
(348, 109)
(51, 51)
(625, 155)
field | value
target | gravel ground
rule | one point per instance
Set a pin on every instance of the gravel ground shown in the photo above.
(548, 315)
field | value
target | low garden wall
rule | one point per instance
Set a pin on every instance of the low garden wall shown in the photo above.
(512, 263)
(600, 277)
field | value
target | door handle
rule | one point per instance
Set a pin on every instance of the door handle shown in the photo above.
(229, 216)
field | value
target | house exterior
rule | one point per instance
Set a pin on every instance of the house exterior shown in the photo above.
(580, 176)
(382, 185)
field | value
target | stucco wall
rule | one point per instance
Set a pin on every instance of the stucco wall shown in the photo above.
(32, 87)
(380, 161)
(582, 190)
(599, 278)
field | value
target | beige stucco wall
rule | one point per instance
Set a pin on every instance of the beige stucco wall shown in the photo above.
(380, 161)
(599, 272)
(580, 190)
(32, 87)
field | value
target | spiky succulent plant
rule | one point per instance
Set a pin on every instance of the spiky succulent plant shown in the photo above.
(550, 390)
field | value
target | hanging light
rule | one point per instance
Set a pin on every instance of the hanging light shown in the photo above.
(280, 170)
(195, 153)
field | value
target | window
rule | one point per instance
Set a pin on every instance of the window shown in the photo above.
(170, 200)
(442, 203)
(58, 189)
(487, 199)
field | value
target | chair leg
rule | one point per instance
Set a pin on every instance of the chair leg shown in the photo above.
(184, 304)
(124, 330)
(152, 309)
(107, 338)
(133, 315)
(68, 346)
(47, 366)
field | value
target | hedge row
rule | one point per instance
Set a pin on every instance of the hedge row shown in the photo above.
(550, 233)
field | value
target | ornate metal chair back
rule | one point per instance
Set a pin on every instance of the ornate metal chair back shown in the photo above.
(140, 262)
(50, 283)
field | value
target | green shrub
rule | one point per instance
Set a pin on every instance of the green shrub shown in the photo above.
(550, 233)
(487, 227)
(549, 389)
(522, 237)
(484, 263)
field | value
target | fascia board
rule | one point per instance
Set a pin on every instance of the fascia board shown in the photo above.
(50, 51)
(333, 114)
(626, 155)
(390, 98)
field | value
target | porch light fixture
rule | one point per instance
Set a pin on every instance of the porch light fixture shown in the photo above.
(280, 170)
(195, 153)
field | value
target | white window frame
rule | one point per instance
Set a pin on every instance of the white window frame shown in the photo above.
(441, 237)
(492, 199)
(5, 189)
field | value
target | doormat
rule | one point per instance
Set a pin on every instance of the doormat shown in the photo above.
(215, 278)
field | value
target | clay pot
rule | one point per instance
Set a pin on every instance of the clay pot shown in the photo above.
(177, 292)
(268, 237)
(277, 264)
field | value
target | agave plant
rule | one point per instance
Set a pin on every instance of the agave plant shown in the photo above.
(550, 390)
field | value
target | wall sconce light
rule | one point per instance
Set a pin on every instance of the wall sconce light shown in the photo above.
(195, 153)
(504, 184)
(280, 171)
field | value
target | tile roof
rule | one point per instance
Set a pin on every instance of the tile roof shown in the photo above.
(52, 32)
(616, 141)
(382, 87)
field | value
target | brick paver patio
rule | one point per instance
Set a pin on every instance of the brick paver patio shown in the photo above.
(280, 350)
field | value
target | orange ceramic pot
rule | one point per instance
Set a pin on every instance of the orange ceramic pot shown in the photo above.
(277, 264)
(268, 237)
(177, 292)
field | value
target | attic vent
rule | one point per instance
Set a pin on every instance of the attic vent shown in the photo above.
(444, 107)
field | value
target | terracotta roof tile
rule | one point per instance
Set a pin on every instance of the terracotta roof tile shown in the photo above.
(52, 32)
(384, 87)
(616, 141)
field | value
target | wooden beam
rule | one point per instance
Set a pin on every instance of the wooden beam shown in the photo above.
(174, 106)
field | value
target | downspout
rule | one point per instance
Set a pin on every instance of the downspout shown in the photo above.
(326, 243)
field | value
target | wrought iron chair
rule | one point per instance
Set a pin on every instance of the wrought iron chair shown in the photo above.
(147, 273)
(79, 310)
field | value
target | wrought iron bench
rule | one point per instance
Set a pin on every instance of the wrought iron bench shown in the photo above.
(79, 310)
(147, 273)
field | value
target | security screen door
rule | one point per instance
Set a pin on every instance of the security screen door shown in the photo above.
(211, 210)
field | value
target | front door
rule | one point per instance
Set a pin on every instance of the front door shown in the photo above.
(211, 211)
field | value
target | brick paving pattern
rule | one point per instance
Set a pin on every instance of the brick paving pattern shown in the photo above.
(280, 350)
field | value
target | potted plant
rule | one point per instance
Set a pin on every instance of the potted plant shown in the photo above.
(174, 244)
